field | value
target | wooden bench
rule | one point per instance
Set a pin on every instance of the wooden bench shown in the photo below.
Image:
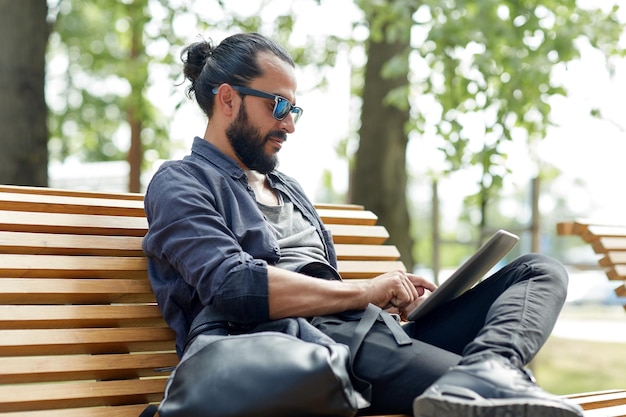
(80, 332)
(608, 241)
(76, 306)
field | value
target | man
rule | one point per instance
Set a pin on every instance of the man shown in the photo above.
(227, 230)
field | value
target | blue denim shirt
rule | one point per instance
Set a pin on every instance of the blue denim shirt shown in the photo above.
(207, 241)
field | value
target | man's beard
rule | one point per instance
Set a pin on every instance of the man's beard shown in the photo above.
(249, 145)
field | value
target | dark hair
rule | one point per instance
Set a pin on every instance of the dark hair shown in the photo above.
(233, 61)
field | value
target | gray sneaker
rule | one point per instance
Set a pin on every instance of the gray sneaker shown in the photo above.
(490, 388)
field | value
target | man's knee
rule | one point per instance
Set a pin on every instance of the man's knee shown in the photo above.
(545, 266)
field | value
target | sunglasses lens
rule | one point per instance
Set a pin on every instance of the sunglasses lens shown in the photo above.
(281, 108)
(297, 112)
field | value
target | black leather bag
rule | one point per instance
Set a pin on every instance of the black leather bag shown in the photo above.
(263, 373)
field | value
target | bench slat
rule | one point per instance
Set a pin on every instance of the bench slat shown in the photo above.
(366, 252)
(616, 411)
(71, 204)
(352, 234)
(592, 232)
(61, 266)
(127, 196)
(334, 216)
(66, 244)
(81, 224)
(600, 399)
(80, 394)
(367, 269)
(77, 316)
(82, 204)
(339, 206)
(613, 258)
(607, 244)
(617, 273)
(581, 226)
(24, 189)
(137, 226)
(114, 411)
(74, 291)
(30, 369)
(34, 342)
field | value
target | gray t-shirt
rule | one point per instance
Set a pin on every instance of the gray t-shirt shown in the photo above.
(298, 240)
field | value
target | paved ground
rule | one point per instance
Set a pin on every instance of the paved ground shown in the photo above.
(592, 322)
(597, 330)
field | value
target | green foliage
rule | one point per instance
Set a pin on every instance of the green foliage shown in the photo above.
(103, 47)
(489, 61)
(106, 57)
(492, 61)
(489, 81)
(385, 18)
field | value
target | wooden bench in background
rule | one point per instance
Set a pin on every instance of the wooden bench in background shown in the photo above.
(608, 241)
(80, 332)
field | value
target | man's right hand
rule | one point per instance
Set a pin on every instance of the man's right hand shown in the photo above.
(398, 289)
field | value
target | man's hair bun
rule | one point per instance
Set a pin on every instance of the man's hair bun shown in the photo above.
(194, 58)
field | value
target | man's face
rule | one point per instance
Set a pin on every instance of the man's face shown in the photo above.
(250, 144)
(254, 135)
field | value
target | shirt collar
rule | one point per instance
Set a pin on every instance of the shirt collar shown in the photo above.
(216, 157)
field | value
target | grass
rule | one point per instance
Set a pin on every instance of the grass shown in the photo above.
(566, 366)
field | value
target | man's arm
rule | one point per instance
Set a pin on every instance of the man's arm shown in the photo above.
(296, 295)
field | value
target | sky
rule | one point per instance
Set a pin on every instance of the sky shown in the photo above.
(585, 147)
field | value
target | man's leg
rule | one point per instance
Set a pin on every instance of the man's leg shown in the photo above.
(511, 314)
(397, 374)
(497, 327)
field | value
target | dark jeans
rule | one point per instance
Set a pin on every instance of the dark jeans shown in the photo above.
(511, 313)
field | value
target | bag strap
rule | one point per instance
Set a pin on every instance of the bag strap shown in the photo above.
(370, 315)
(398, 333)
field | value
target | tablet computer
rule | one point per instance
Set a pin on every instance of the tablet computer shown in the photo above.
(470, 272)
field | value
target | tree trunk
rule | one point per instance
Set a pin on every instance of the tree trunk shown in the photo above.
(379, 178)
(137, 80)
(23, 111)
(135, 153)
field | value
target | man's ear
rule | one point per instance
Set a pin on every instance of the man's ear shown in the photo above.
(224, 100)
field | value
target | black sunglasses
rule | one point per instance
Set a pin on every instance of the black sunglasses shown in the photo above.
(282, 106)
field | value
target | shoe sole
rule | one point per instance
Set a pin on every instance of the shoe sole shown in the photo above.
(425, 406)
